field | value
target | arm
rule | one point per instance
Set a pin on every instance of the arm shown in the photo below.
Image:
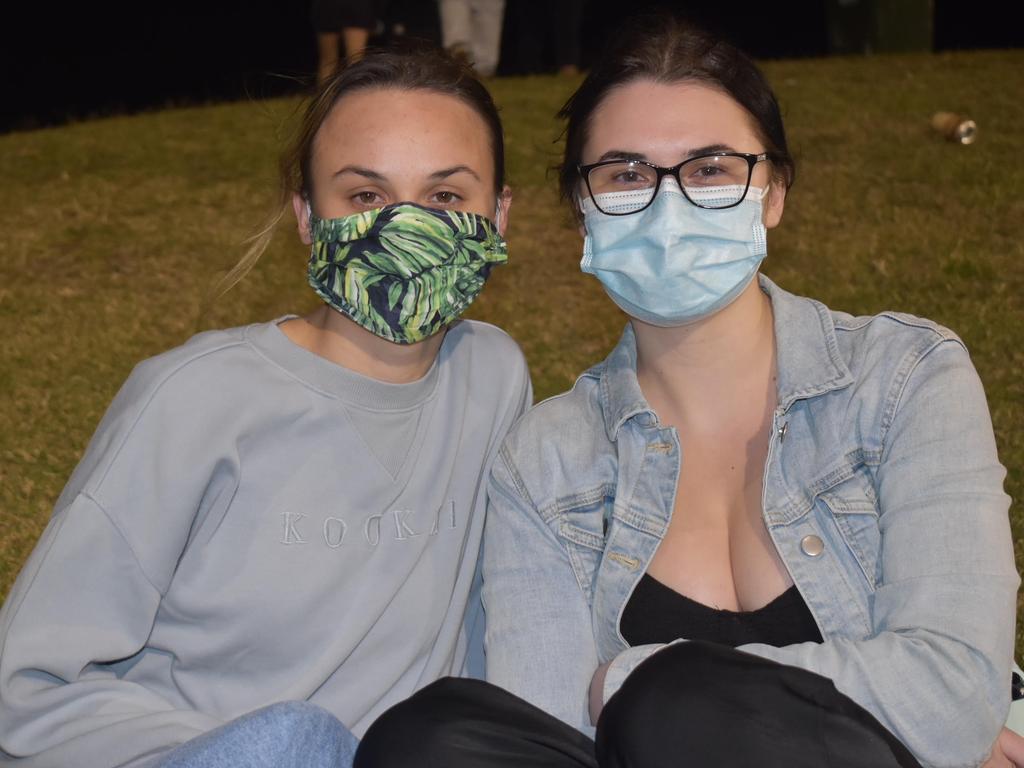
(936, 669)
(86, 600)
(540, 645)
(81, 604)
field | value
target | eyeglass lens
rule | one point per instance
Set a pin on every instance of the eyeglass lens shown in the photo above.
(716, 181)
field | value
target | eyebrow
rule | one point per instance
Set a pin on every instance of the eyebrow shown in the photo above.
(621, 154)
(444, 173)
(359, 171)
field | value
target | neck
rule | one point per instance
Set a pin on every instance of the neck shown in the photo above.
(331, 335)
(701, 370)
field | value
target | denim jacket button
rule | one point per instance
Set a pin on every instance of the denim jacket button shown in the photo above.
(812, 546)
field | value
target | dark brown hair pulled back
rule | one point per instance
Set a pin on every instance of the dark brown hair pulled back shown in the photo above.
(414, 68)
(666, 50)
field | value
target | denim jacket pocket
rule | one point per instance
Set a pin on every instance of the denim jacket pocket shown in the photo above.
(581, 528)
(853, 507)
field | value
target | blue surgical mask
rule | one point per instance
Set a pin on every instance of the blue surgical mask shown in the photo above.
(673, 262)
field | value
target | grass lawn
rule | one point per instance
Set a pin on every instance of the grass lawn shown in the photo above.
(114, 230)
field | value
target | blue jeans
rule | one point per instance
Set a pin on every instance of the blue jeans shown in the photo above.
(290, 734)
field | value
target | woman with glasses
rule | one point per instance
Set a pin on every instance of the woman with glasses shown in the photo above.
(274, 534)
(760, 532)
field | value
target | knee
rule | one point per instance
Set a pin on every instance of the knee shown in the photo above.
(295, 716)
(667, 699)
(630, 721)
(300, 725)
(428, 728)
(286, 734)
(667, 678)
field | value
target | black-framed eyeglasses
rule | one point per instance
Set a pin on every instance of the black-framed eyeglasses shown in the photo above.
(719, 180)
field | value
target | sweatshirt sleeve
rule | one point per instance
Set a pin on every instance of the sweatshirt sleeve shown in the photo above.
(81, 607)
(86, 601)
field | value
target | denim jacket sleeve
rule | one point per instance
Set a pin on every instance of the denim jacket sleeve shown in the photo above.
(936, 668)
(535, 609)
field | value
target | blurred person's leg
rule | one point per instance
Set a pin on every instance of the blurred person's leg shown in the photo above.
(355, 42)
(327, 22)
(358, 19)
(341, 21)
(327, 54)
(488, 17)
(456, 26)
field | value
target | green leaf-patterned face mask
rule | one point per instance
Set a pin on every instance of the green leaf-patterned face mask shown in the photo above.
(403, 272)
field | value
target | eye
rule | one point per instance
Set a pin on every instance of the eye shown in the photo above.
(620, 177)
(707, 171)
(445, 198)
(630, 176)
(367, 198)
(715, 171)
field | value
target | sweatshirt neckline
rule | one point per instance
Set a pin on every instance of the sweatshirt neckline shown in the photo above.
(336, 380)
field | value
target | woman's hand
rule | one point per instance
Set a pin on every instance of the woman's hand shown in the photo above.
(1007, 752)
(597, 695)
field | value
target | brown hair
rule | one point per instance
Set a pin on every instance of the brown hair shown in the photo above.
(662, 48)
(414, 68)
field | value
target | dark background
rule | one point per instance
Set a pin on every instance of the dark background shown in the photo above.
(65, 63)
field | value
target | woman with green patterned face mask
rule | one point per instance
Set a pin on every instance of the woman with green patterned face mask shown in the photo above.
(273, 536)
(405, 225)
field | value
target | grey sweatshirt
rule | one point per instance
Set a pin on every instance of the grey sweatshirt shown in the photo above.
(251, 524)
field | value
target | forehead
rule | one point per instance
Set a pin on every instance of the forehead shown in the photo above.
(665, 120)
(392, 128)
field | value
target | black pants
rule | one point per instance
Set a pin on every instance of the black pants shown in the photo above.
(692, 704)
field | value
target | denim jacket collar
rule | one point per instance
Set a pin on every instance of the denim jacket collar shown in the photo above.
(806, 349)
(807, 360)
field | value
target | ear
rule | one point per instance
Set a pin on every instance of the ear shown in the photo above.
(504, 204)
(301, 206)
(580, 226)
(582, 194)
(774, 202)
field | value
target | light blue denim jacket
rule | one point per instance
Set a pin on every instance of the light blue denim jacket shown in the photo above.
(882, 494)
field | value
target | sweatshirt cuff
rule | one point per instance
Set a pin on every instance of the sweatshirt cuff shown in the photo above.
(624, 664)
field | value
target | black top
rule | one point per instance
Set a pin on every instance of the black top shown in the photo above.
(658, 614)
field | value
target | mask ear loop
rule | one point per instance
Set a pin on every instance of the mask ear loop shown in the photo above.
(581, 215)
(309, 219)
(497, 214)
(756, 193)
